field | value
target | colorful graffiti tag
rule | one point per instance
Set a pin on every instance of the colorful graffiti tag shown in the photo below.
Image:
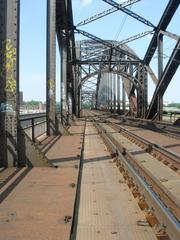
(8, 54)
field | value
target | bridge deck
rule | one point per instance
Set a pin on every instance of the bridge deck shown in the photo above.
(41, 205)
(38, 203)
(107, 207)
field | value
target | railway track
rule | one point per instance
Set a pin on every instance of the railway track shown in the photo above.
(150, 171)
(165, 128)
(149, 140)
(167, 157)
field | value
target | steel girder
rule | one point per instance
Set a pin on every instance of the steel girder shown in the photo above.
(106, 62)
(65, 34)
(114, 53)
(10, 146)
(108, 44)
(165, 79)
(107, 12)
(129, 12)
(126, 77)
(117, 72)
(142, 101)
(51, 68)
(163, 23)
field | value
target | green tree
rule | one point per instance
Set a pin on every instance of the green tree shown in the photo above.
(177, 105)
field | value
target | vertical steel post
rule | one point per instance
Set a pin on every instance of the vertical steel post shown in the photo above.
(114, 87)
(107, 79)
(76, 89)
(80, 94)
(130, 87)
(51, 68)
(160, 71)
(118, 93)
(142, 92)
(9, 82)
(123, 98)
(105, 84)
(145, 82)
(78, 78)
(105, 90)
(63, 79)
(111, 89)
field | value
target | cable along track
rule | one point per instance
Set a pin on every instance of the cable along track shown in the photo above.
(157, 184)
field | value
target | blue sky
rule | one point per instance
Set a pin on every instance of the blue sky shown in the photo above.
(33, 39)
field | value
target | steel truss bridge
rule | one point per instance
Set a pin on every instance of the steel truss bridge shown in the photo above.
(103, 72)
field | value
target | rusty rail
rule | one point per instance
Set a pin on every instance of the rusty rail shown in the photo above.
(153, 196)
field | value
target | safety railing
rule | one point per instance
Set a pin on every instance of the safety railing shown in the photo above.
(33, 124)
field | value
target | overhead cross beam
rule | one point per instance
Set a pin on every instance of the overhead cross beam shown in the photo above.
(163, 23)
(106, 43)
(96, 61)
(129, 12)
(135, 37)
(130, 39)
(105, 13)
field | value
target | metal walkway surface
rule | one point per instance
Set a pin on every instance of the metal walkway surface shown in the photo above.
(40, 205)
(107, 208)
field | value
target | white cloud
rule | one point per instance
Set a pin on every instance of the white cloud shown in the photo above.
(86, 2)
(80, 4)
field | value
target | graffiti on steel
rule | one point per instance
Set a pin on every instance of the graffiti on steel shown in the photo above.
(51, 84)
(8, 54)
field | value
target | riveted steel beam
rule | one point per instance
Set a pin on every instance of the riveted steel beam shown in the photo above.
(129, 12)
(118, 93)
(163, 23)
(105, 13)
(97, 61)
(51, 67)
(165, 79)
(107, 44)
(9, 83)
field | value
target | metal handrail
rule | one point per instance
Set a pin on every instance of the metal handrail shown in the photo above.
(32, 118)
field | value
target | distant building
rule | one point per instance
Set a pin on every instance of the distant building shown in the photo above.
(27, 109)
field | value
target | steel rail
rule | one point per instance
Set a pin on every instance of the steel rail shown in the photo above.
(162, 126)
(168, 198)
(164, 215)
(170, 156)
